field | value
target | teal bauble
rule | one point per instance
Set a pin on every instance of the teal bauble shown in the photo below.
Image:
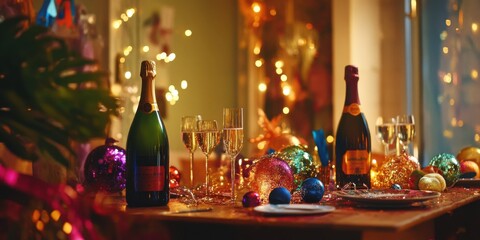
(449, 166)
(300, 161)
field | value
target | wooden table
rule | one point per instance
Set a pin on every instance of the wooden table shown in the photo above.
(455, 215)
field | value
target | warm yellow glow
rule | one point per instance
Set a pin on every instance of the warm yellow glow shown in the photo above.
(279, 64)
(453, 122)
(124, 17)
(171, 56)
(273, 12)
(330, 139)
(301, 42)
(168, 96)
(474, 27)
(474, 74)
(127, 50)
(55, 215)
(284, 78)
(146, 48)
(447, 134)
(258, 63)
(286, 90)
(188, 32)
(262, 87)
(39, 226)
(460, 123)
(35, 215)
(477, 137)
(116, 24)
(67, 228)
(184, 84)
(128, 75)
(279, 71)
(443, 35)
(130, 12)
(161, 56)
(445, 50)
(261, 145)
(171, 88)
(286, 110)
(447, 78)
(256, 8)
(256, 50)
(122, 60)
(448, 22)
(452, 102)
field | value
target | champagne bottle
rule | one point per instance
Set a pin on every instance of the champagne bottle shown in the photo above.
(352, 143)
(147, 149)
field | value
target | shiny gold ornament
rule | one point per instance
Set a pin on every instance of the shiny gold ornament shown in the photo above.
(396, 170)
(469, 154)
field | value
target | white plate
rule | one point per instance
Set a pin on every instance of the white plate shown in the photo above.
(293, 209)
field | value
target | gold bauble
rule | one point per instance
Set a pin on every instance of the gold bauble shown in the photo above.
(469, 154)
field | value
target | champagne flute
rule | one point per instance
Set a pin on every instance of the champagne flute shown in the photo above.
(189, 138)
(208, 137)
(385, 132)
(233, 139)
(405, 128)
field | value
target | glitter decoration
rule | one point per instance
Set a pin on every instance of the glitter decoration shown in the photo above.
(469, 154)
(449, 166)
(251, 199)
(279, 195)
(105, 168)
(268, 173)
(312, 190)
(300, 161)
(396, 170)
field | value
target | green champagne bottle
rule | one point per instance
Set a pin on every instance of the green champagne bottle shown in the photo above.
(147, 149)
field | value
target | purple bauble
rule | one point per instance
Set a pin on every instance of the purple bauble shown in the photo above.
(251, 199)
(105, 168)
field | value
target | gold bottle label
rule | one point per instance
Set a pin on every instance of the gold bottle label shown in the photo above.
(353, 109)
(356, 162)
(150, 178)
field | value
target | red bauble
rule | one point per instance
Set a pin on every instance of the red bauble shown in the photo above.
(251, 199)
(174, 177)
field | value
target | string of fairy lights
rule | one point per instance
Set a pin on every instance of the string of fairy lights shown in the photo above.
(172, 94)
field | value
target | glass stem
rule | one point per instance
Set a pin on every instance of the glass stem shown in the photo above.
(191, 169)
(206, 176)
(386, 151)
(232, 172)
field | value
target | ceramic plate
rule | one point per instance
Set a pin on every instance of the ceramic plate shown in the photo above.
(293, 209)
(467, 182)
(389, 197)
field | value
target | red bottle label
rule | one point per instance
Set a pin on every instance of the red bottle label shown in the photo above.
(356, 162)
(352, 109)
(150, 178)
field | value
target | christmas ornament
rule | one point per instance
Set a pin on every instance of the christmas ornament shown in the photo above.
(312, 190)
(174, 177)
(471, 167)
(268, 173)
(279, 195)
(440, 178)
(448, 164)
(273, 136)
(300, 161)
(469, 154)
(396, 186)
(251, 199)
(105, 168)
(396, 170)
(429, 183)
(414, 178)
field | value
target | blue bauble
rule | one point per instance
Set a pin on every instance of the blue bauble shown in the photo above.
(396, 186)
(279, 195)
(312, 190)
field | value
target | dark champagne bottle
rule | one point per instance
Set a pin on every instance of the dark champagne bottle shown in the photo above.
(147, 149)
(353, 143)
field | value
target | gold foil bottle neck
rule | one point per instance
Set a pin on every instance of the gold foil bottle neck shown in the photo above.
(148, 69)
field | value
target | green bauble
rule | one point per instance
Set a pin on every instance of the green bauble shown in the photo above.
(300, 161)
(449, 166)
